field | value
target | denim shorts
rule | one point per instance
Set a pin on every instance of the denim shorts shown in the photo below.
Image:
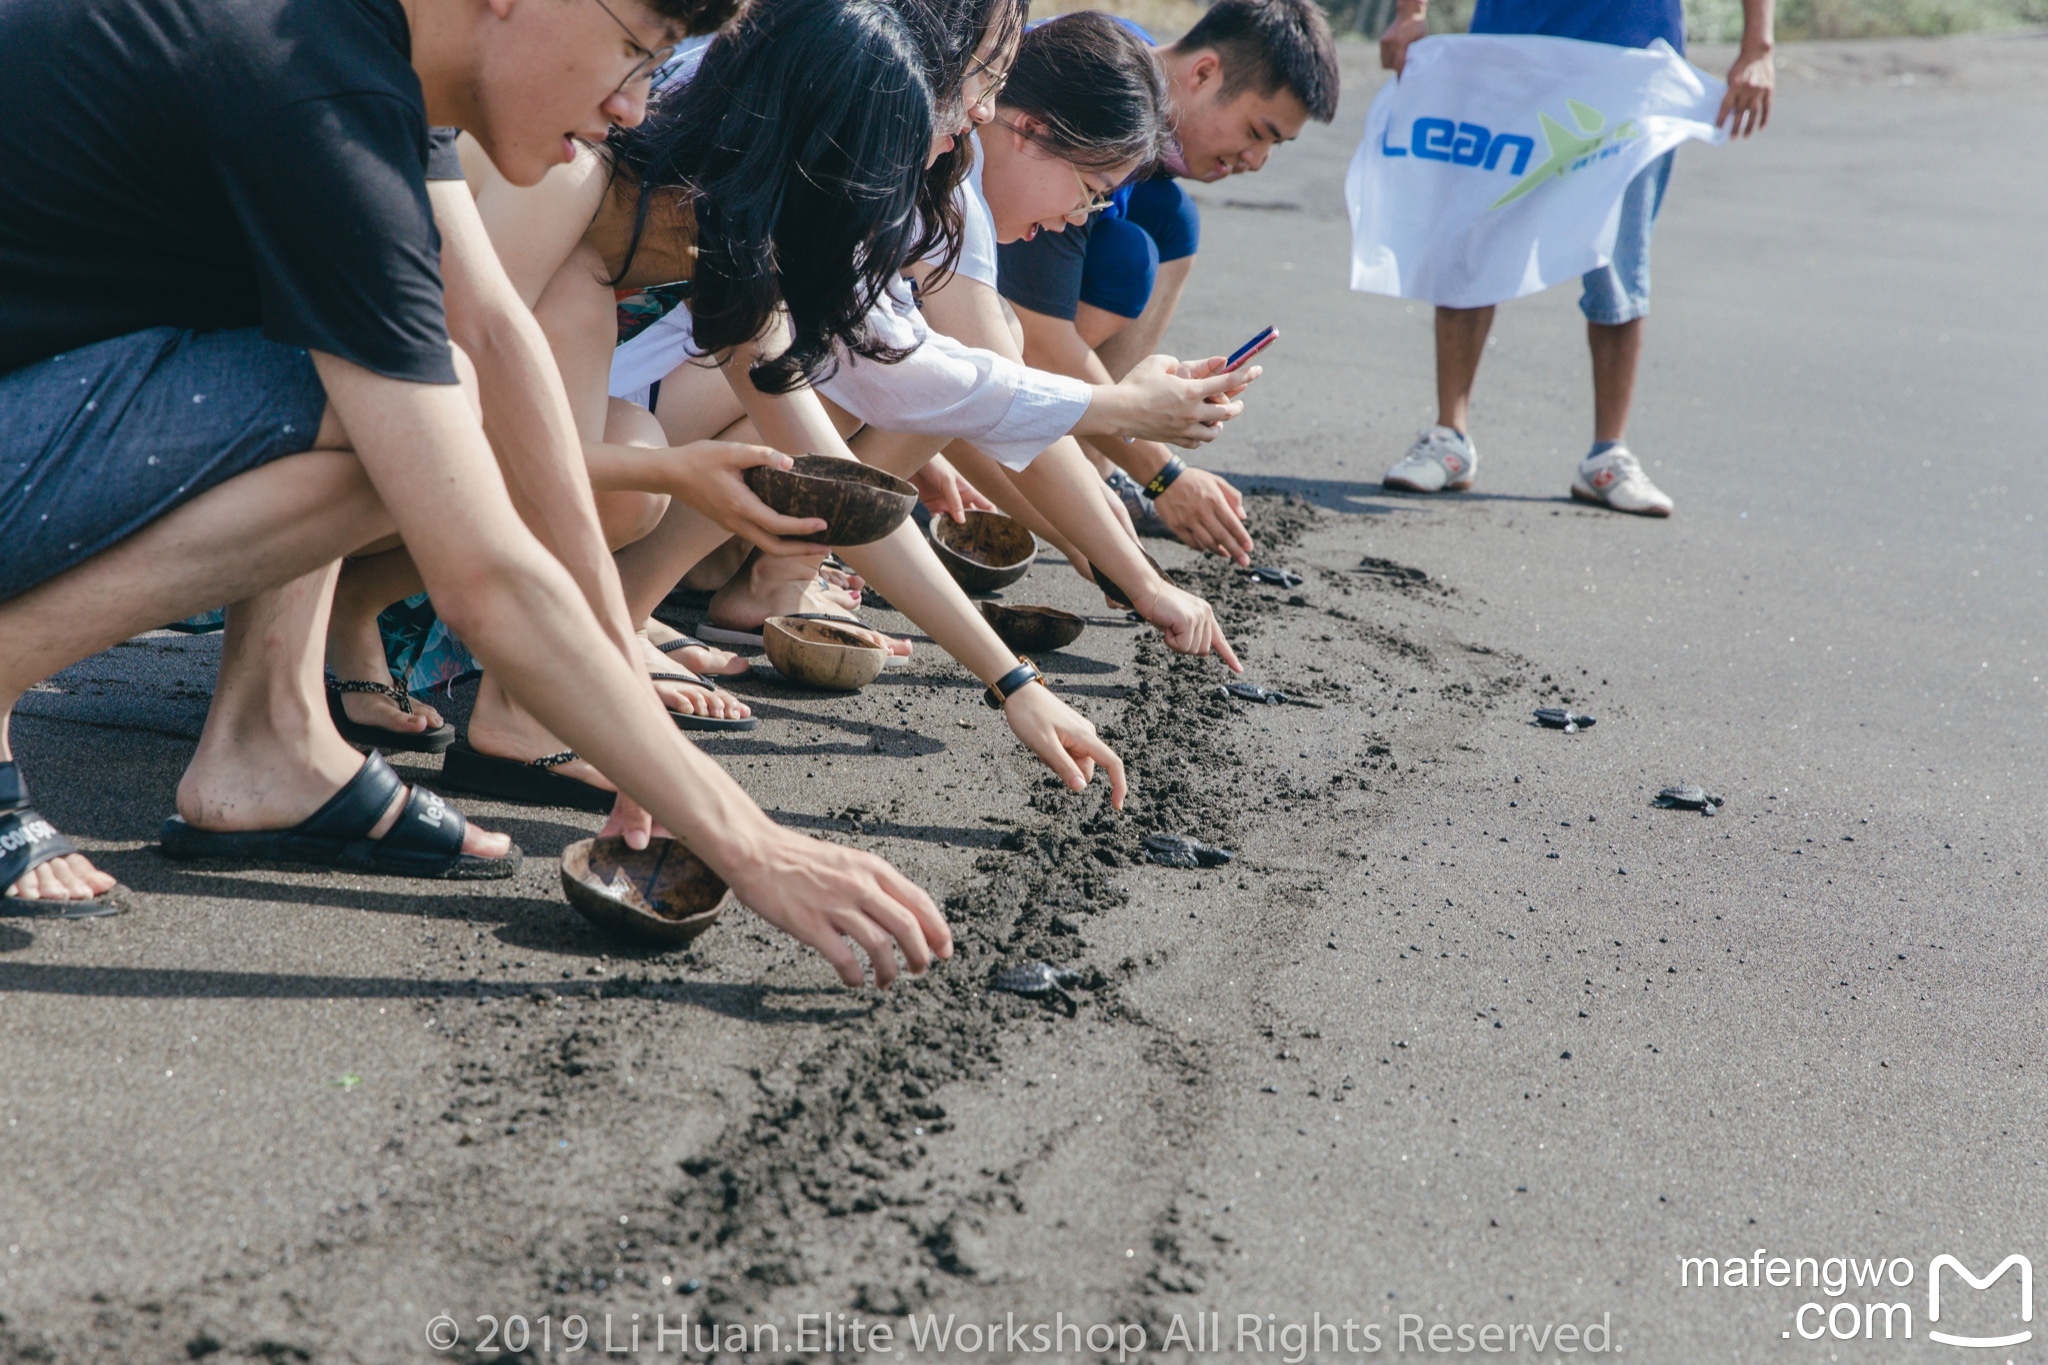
(1619, 291)
(97, 443)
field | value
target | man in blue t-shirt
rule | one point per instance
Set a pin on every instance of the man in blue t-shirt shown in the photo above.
(1616, 297)
(1096, 299)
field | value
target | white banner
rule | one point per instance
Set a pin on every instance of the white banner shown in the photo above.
(1494, 167)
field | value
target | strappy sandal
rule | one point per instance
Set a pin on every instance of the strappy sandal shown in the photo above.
(533, 783)
(425, 841)
(27, 841)
(685, 721)
(366, 737)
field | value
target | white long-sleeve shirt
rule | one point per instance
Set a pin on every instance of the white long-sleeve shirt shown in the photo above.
(942, 388)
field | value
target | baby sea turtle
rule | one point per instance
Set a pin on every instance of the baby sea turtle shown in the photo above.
(1689, 797)
(1279, 578)
(1179, 850)
(1037, 981)
(1557, 718)
(1244, 691)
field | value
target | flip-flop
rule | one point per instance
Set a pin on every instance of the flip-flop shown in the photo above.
(366, 737)
(426, 840)
(719, 635)
(27, 841)
(522, 783)
(685, 721)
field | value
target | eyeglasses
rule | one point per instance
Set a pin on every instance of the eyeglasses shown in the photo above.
(651, 59)
(996, 82)
(1093, 201)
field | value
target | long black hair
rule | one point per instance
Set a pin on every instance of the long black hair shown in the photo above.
(799, 150)
(949, 33)
(1094, 87)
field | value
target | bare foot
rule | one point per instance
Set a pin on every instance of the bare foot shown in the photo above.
(69, 878)
(233, 787)
(501, 728)
(706, 661)
(682, 697)
(770, 590)
(356, 653)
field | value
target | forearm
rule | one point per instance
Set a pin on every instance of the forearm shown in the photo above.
(904, 569)
(1759, 18)
(1064, 483)
(1001, 486)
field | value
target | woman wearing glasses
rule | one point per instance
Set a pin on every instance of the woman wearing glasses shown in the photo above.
(1075, 112)
(780, 187)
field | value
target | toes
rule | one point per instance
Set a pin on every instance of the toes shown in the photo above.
(484, 843)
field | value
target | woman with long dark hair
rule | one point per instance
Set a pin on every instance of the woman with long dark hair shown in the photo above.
(780, 186)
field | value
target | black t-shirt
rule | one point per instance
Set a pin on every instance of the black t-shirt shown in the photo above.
(217, 163)
(444, 162)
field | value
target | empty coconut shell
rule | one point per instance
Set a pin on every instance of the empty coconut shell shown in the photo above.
(662, 894)
(1116, 594)
(1033, 630)
(986, 553)
(822, 653)
(859, 504)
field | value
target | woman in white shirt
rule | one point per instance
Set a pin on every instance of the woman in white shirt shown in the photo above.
(964, 382)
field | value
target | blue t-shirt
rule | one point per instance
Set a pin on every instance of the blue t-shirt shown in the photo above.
(1624, 23)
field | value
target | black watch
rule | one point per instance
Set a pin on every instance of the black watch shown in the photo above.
(1007, 686)
(1174, 467)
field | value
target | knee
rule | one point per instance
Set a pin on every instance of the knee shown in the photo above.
(1121, 265)
(629, 517)
(629, 424)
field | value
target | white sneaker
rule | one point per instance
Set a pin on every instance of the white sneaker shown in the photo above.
(1616, 479)
(1440, 461)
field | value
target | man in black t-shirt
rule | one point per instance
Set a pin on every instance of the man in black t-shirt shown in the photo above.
(225, 363)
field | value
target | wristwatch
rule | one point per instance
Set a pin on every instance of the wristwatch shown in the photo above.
(1175, 467)
(1007, 686)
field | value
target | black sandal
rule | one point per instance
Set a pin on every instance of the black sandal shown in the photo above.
(426, 841)
(368, 737)
(522, 783)
(27, 841)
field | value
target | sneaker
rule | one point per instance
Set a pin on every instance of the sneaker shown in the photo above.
(1440, 461)
(1616, 479)
(1144, 519)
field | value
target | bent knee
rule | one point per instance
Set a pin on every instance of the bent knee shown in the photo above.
(628, 517)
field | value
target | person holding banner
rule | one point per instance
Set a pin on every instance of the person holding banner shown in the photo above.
(1615, 295)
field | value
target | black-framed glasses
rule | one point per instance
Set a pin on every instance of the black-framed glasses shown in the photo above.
(651, 59)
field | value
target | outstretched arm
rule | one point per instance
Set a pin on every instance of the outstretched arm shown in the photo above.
(1752, 81)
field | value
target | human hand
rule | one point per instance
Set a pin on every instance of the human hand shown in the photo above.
(945, 493)
(1064, 740)
(630, 821)
(1206, 513)
(712, 479)
(1409, 25)
(1171, 402)
(1214, 365)
(1187, 621)
(824, 894)
(1746, 107)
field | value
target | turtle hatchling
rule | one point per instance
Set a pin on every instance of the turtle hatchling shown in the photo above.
(1179, 850)
(1557, 718)
(1244, 691)
(1037, 981)
(1689, 797)
(1279, 578)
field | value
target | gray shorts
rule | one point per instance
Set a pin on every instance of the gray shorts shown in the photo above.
(97, 443)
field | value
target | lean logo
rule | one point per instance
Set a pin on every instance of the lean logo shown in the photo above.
(1934, 1270)
(1471, 144)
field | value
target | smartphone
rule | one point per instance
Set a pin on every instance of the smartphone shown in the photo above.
(1251, 348)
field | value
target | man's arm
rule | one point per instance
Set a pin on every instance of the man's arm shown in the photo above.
(520, 612)
(1411, 21)
(1203, 510)
(526, 410)
(1746, 108)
